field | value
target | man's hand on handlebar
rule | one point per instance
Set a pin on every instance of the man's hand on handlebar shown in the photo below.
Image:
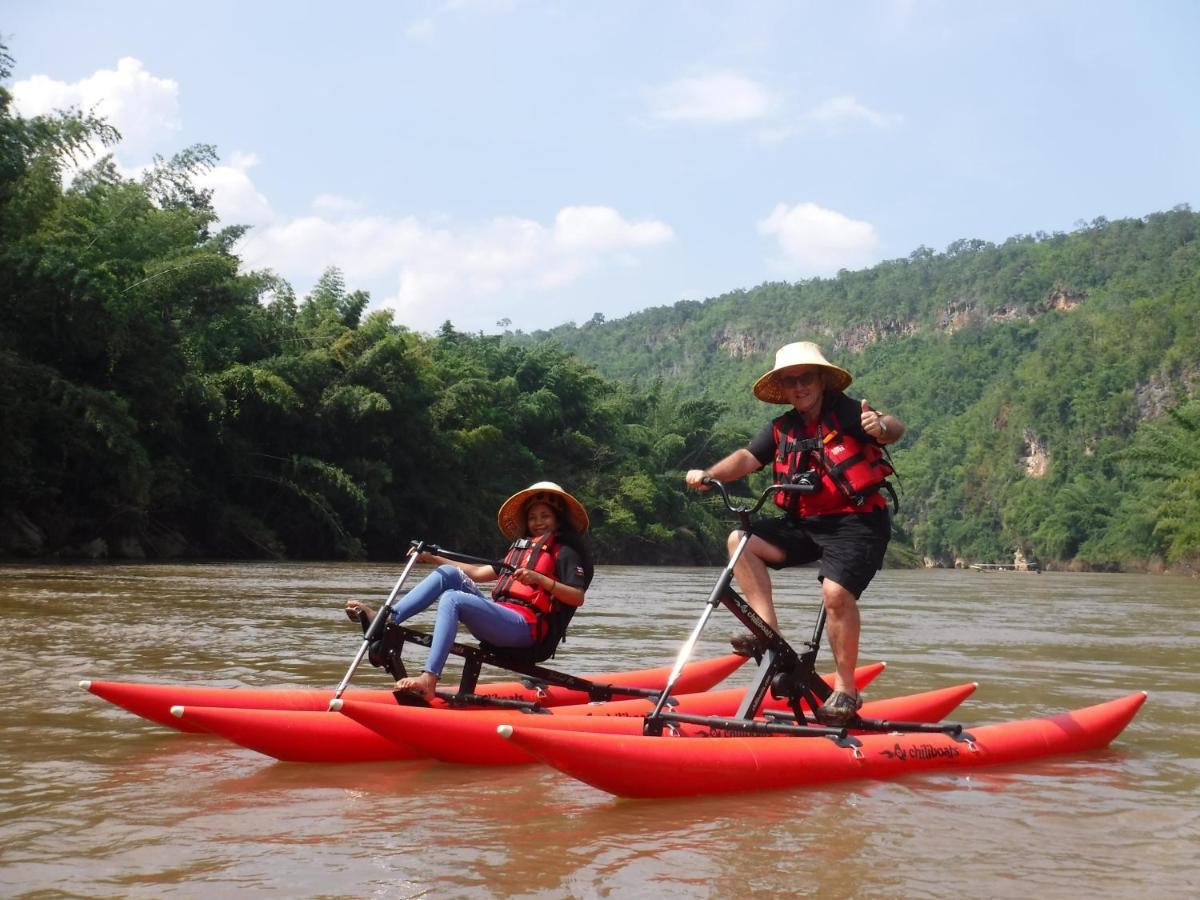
(702, 481)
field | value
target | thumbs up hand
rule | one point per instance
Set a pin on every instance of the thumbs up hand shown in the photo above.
(872, 422)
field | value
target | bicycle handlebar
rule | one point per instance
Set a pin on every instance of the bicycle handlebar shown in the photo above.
(769, 492)
(498, 565)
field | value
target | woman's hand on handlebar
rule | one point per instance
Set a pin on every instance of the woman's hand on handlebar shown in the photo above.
(423, 557)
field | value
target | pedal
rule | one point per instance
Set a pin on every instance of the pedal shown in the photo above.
(410, 698)
(535, 684)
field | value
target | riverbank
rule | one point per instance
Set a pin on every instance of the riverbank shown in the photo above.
(22, 541)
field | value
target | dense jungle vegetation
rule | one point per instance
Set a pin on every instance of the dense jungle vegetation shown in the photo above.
(1051, 384)
(158, 400)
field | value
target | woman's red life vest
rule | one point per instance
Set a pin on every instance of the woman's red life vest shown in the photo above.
(851, 470)
(533, 603)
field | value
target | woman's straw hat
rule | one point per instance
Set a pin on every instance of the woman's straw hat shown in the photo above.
(802, 353)
(511, 517)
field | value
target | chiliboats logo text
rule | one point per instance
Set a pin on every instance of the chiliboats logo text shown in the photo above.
(920, 751)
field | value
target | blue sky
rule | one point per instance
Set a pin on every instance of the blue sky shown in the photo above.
(539, 162)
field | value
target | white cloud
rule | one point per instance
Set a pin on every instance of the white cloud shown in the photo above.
(846, 109)
(429, 272)
(601, 228)
(726, 98)
(817, 241)
(235, 198)
(363, 248)
(143, 107)
(717, 98)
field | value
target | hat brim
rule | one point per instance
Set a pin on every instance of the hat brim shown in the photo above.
(769, 390)
(511, 516)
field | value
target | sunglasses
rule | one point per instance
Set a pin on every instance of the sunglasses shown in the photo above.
(804, 379)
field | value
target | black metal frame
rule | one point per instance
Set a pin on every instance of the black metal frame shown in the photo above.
(536, 677)
(786, 673)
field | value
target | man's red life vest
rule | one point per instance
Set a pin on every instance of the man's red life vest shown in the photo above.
(533, 603)
(851, 470)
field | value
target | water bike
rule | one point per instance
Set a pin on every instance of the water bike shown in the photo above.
(294, 724)
(650, 763)
(456, 729)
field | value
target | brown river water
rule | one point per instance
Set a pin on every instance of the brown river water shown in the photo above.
(95, 802)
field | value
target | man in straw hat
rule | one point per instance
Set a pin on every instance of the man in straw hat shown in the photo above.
(549, 568)
(831, 445)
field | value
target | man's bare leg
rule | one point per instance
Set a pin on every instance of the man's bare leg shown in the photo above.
(753, 576)
(843, 626)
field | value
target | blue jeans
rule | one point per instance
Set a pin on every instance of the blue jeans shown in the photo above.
(460, 600)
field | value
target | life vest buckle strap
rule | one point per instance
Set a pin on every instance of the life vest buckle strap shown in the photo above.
(850, 468)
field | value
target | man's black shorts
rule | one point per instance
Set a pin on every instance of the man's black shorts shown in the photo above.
(850, 547)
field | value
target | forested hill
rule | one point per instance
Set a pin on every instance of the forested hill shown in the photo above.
(1049, 383)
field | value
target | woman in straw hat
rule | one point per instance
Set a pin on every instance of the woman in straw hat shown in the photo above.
(551, 564)
(832, 445)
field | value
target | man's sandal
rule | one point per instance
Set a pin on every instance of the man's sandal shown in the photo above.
(839, 710)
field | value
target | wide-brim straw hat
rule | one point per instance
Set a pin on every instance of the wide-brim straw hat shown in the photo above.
(511, 517)
(791, 356)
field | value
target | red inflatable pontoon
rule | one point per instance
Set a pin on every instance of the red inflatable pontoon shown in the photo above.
(154, 701)
(637, 766)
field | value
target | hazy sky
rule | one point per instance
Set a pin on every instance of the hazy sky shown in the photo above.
(479, 160)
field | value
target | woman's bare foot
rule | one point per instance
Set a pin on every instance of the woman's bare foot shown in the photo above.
(359, 611)
(424, 684)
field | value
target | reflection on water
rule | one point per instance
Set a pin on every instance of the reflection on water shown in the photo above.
(94, 801)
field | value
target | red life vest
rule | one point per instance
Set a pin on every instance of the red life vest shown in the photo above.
(852, 470)
(533, 603)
